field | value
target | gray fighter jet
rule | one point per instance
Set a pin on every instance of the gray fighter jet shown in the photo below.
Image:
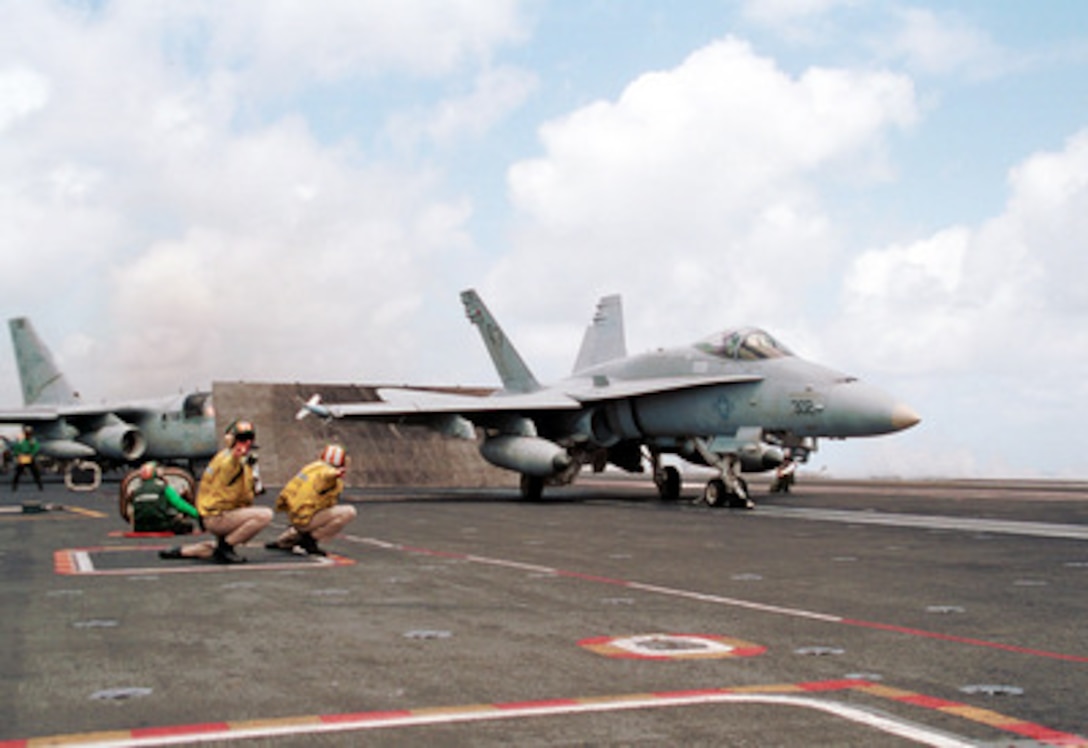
(737, 401)
(83, 438)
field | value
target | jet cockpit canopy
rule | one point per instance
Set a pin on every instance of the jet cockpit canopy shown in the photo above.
(743, 344)
(198, 405)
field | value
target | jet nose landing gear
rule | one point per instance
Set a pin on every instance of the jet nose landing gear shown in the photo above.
(717, 494)
(730, 489)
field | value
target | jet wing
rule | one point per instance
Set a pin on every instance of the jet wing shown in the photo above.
(397, 404)
(410, 405)
(43, 414)
(603, 389)
(29, 415)
(76, 412)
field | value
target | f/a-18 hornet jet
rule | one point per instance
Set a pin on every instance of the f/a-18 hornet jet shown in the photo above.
(735, 401)
(84, 438)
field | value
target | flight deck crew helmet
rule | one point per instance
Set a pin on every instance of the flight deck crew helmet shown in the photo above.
(241, 431)
(148, 470)
(334, 455)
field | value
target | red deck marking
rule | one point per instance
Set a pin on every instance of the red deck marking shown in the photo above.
(833, 685)
(736, 602)
(65, 562)
(964, 640)
(592, 578)
(1044, 734)
(771, 694)
(929, 702)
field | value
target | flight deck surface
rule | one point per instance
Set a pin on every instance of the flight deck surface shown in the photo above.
(845, 613)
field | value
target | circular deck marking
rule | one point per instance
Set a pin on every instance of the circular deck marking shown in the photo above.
(671, 646)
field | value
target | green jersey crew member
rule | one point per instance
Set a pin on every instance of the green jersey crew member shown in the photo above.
(25, 452)
(156, 505)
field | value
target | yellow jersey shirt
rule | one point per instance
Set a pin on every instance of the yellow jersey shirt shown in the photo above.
(317, 486)
(227, 484)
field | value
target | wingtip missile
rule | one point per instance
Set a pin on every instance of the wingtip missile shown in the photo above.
(313, 405)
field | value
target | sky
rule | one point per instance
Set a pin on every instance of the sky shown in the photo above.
(218, 190)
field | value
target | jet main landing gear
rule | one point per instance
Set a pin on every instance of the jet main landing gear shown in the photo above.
(666, 478)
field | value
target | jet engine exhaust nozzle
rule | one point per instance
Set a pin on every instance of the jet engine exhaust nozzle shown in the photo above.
(118, 442)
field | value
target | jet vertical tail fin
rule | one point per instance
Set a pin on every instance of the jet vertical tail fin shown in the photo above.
(41, 380)
(515, 375)
(604, 339)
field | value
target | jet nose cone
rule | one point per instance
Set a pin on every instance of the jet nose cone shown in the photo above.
(859, 409)
(903, 417)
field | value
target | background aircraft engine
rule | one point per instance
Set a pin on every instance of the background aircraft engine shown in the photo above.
(120, 441)
(529, 455)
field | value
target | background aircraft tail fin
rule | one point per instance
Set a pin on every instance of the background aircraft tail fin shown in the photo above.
(515, 375)
(41, 380)
(604, 339)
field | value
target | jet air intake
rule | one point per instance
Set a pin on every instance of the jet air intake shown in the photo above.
(120, 441)
(528, 455)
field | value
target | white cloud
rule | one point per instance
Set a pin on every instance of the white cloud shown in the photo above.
(291, 250)
(699, 180)
(496, 93)
(22, 92)
(785, 13)
(1002, 296)
(803, 21)
(195, 240)
(287, 44)
(987, 325)
(175, 208)
(940, 43)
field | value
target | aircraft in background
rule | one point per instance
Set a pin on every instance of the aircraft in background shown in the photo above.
(737, 401)
(83, 438)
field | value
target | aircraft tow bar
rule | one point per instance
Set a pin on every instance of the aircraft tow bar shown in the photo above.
(82, 475)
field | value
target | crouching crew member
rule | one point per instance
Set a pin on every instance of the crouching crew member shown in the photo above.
(310, 501)
(225, 501)
(156, 505)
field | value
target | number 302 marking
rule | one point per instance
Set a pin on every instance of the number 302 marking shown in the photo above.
(805, 407)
